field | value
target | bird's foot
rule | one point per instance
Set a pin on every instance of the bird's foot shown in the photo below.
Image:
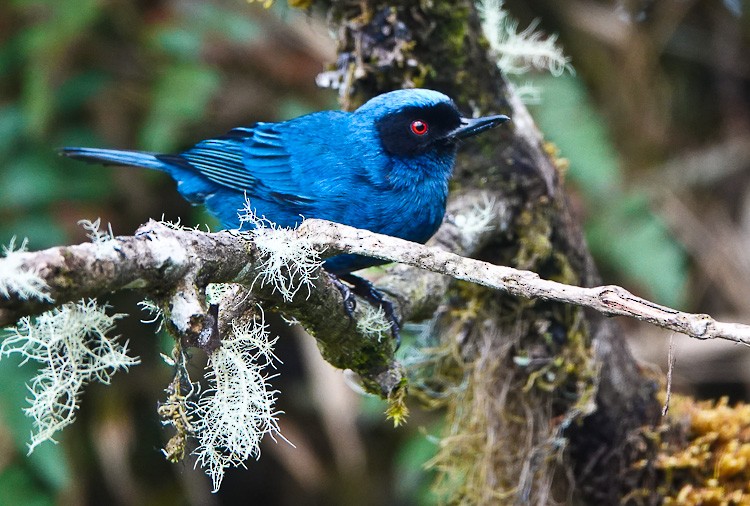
(367, 291)
(350, 303)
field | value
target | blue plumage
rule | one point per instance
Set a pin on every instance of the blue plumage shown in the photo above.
(385, 167)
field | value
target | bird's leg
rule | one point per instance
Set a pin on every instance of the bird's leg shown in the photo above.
(350, 303)
(367, 291)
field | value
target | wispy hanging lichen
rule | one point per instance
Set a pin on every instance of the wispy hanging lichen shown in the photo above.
(72, 345)
(518, 52)
(289, 261)
(237, 409)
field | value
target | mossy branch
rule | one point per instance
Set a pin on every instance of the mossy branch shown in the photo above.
(175, 265)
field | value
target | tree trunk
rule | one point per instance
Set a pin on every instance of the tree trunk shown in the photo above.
(548, 401)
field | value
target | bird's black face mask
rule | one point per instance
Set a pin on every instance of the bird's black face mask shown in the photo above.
(414, 131)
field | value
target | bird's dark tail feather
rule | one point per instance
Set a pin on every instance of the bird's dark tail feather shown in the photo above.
(115, 157)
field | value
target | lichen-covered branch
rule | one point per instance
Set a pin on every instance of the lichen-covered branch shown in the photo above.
(175, 265)
(159, 258)
(156, 258)
(596, 395)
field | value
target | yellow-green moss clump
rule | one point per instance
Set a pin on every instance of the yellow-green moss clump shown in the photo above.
(704, 457)
(561, 164)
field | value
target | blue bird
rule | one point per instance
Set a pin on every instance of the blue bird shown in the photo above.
(384, 167)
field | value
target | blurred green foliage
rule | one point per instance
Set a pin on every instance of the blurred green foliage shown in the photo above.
(36, 478)
(413, 480)
(628, 240)
(138, 75)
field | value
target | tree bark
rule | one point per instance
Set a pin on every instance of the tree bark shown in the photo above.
(546, 380)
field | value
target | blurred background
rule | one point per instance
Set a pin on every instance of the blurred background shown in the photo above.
(655, 123)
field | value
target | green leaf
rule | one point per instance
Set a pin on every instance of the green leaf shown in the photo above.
(29, 180)
(622, 231)
(18, 486)
(203, 21)
(629, 237)
(11, 56)
(413, 483)
(37, 97)
(79, 89)
(44, 44)
(568, 118)
(38, 177)
(11, 129)
(48, 461)
(180, 41)
(225, 22)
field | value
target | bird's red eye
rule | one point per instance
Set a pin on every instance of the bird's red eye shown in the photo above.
(419, 127)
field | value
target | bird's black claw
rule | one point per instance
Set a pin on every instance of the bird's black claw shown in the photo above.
(367, 291)
(350, 303)
(390, 313)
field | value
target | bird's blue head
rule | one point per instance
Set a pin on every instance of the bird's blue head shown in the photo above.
(415, 122)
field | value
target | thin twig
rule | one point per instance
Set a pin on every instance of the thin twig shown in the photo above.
(610, 300)
(672, 357)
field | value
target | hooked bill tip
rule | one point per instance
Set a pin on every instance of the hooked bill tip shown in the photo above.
(474, 126)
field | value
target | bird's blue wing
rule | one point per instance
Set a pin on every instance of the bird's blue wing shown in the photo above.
(288, 169)
(236, 160)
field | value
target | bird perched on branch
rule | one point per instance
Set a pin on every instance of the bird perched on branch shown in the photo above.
(384, 167)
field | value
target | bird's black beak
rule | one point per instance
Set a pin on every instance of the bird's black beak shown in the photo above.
(473, 126)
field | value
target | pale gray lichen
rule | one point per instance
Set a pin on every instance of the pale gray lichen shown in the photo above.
(157, 314)
(373, 322)
(72, 345)
(482, 217)
(528, 92)
(17, 280)
(236, 410)
(519, 52)
(94, 233)
(289, 261)
(106, 247)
